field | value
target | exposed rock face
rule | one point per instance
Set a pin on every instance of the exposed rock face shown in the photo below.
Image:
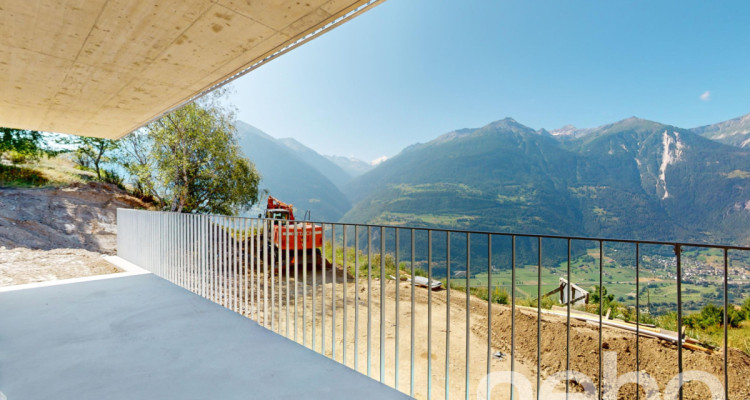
(81, 216)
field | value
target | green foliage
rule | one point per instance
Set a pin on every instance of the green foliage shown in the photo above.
(22, 146)
(609, 300)
(746, 309)
(190, 161)
(19, 176)
(547, 302)
(112, 177)
(712, 315)
(92, 153)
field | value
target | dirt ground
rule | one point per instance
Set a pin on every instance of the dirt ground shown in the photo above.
(59, 233)
(80, 216)
(658, 358)
(20, 265)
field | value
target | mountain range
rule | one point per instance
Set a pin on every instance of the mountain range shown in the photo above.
(295, 174)
(634, 179)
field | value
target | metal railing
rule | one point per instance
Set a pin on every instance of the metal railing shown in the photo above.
(493, 324)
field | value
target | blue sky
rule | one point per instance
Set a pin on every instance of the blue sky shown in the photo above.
(409, 70)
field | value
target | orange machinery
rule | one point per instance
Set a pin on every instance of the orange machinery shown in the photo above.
(306, 235)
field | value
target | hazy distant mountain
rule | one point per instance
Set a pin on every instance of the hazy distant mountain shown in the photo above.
(331, 170)
(630, 179)
(352, 166)
(735, 132)
(289, 177)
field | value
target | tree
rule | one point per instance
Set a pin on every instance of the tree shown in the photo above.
(135, 158)
(608, 299)
(93, 153)
(193, 163)
(23, 144)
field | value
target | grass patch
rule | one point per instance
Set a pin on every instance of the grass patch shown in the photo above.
(21, 177)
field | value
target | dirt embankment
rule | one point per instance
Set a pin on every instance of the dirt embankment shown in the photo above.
(80, 216)
(59, 233)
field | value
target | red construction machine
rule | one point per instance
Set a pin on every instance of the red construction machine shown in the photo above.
(287, 233)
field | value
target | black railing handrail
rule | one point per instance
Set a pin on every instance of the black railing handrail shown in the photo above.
(497, 233)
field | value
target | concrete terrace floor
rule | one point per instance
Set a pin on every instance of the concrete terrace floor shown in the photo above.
(141, 337)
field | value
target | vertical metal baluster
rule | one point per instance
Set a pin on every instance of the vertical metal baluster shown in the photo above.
(260, 254)
(215, 249)
(383, 282)
(230, 262)
(726, 305)
(235, 265)
(637, 321)
(241, 245)
(323, 293)
(166, 258)
(429, 314)
(539, 318)
(178, 252)
(178, 225)
(411, 390)
(512, 313)
(369, 300)
(220, 238)
(304, 283)
(273, 272)
(489, 310)
(296, 279)
(567, 328)
(227, 263)
(193, 254)
(197, 255)
(229, 245)
(186, 251)
(333, 291)
(217, 261)
(678, 253)
(468, 308)
(222, 257)
(346, 293)
(204, 268)
(246, 271)
(314, 287)
(172, 261)
(211, 257)
(287, 269)
(279, 275)
(190, 253)
(398, 317)
(447, 312)
(265, 272)
(181, 250)
(256, 242)
(356, 298)
(601, 311)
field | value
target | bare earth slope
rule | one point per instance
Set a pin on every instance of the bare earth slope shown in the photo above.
(59, 233)
(81, 216)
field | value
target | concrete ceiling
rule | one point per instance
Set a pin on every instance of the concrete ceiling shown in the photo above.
(104, 68)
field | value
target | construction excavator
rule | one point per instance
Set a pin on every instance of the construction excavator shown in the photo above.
(303, 240)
